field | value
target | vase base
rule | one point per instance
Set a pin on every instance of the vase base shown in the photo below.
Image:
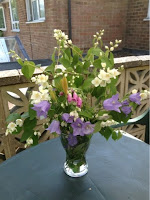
(82, 172)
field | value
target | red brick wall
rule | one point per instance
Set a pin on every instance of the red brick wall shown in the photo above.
(137, 32)
(91, 16)
(88, 16)
(37, 38)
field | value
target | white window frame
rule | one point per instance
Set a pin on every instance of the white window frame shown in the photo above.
(13, 23)
(29, 11)
(148, 12)
(3, 29)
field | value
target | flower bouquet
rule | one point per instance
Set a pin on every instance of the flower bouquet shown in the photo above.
(64, 101)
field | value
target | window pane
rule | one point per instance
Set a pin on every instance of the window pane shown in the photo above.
(41, 7)
(14, 10)
(2, 24)
(35, 10)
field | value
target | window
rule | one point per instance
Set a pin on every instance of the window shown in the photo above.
(2, 19)
(14, 15)
(35, 10)
(148, 13)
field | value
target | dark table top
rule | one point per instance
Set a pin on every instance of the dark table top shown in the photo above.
(118, 170)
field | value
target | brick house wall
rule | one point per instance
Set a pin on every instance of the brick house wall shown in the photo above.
(87, 18)
(137, 31)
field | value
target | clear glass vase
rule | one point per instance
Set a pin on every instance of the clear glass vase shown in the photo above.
(76, 165)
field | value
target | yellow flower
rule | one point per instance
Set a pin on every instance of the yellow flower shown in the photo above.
(64, 84)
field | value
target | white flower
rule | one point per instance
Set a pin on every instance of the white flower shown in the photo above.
(11, 127)
(96, 82)
(111, 43)
(134, 91)
(69, 42)
(36, 96)
(103, 65)
(42, 78)
(111, 48)
(37, 133)
(62, 105)
(106, 47)
(143, 96)
(82, 119)
(33, 79)
(100, 53)
(104, 75)
(113, 72)
(29, 142)
(45, 96)
(63, 124)
(103, 83)
(19, 122)
(7, 132)
(74, 114)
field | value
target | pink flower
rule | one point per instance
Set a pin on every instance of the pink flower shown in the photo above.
(75, 97)
(69, 98)
(79, 102)
(61, 94)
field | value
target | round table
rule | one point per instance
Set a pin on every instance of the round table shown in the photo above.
(118, 170)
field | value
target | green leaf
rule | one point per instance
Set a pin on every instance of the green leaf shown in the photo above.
(114, 135)
(97, 63)
(86, 65)
(87, 84)
(28, 69)
(12, 117)
(68, 53)
(77, 51)
(78, 81)
(20, 62)
(97, 127)
(35, 140)
(65, 62)
(39, 65)
(111, 58)
(86, 114)
(32, 113)
(106, 60)
(98, 91)
(26, 134)
(51, 68)
(75, 60)
(28, 127)
(53, 56)
(119, 135)
(19, 129)
(51, 113)
(106, 132)
(25, 115)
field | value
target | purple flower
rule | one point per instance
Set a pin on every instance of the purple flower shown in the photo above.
(67, 118)
(72, 140)
(42, 108)
(135, 98)
(88, 128)
(54, 127)
(125, 103)
(126, 109)
(112, 103)
(77, 127)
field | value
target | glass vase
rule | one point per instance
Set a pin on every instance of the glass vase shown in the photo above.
(76, 164)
